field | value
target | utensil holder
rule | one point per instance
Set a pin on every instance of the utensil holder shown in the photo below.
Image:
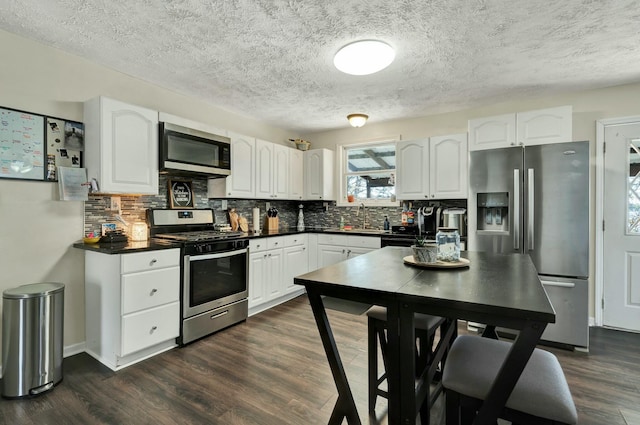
(271, 224)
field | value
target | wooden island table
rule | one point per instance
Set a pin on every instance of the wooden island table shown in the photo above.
(499, 290)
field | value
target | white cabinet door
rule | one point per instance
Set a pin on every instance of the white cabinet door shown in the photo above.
(274, 274)
(264, 168)
(492, 132)
(280, 171)
(353, 251)
(318, 174)
(448, 167)
(121, 146)
(296, 262)
(257, 278)
(330, 254)
(412, 173)
(241, 182)
(296, 174)
(551, 125)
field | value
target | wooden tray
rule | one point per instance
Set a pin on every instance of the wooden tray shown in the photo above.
(439, 264)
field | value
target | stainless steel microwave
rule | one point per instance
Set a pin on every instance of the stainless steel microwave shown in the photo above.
(193, 152)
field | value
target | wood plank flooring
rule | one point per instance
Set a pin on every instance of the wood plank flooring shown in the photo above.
(271, 370)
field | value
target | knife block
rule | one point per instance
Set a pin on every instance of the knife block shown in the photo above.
(271, 224)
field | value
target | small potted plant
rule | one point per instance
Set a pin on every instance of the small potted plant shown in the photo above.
(424, 251)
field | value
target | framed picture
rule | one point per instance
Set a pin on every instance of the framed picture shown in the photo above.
(65, 145)
(180, 194)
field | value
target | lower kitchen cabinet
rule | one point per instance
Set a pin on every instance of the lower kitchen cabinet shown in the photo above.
(335, 248)
(132, 305)
(273, 262)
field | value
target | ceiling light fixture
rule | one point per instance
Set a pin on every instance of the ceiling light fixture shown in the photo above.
(364, 57)
(357, 120)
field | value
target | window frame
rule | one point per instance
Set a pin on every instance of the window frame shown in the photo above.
(341, 176)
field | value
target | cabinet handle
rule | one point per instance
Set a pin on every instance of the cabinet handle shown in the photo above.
(304, 248)
(265, 255)
(223, 313)
(154, 328)
(152, 262)
(269, 255)
(153, 291)
(229, 193)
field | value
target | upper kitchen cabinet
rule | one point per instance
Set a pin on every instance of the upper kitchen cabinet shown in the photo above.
(542, 126)
(242, 181)
(272, 170)
(433, 168)
(296, 174)
(318, 174)
(448, 170)
(121, 146)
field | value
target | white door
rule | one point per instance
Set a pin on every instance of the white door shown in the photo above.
(448, 168)
(264, 169)
(621, 239)
(241, 182)
(412, 169)
(296, 262)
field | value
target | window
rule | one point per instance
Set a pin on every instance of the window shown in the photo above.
(633, 197)
(368, 172)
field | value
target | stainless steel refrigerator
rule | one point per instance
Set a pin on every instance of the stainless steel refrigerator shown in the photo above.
(535, 200)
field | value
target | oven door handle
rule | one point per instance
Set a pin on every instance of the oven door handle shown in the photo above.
(216, 255)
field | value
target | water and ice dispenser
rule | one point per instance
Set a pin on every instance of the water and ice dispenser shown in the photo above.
(493, 211)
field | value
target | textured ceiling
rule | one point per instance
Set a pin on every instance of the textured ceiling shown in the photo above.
(273, 59)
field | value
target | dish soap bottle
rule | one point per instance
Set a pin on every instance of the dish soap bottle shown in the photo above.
(341, 223)
(386, 225)
(300, 219)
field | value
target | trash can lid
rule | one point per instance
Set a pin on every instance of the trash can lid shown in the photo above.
(33, 290)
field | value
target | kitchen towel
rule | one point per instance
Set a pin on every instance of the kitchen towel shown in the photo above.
(256, 220)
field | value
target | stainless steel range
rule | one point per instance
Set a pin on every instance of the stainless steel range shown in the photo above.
(214, 270)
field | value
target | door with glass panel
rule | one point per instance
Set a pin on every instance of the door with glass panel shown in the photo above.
(621, 253)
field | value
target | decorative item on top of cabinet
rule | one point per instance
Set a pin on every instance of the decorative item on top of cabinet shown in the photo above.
(121, 146)
(434, 168)
(542, 126)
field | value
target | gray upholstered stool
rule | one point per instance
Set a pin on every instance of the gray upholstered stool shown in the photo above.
(425, 329)
(540, 397)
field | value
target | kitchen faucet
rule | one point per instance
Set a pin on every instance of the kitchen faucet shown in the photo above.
(364, 215)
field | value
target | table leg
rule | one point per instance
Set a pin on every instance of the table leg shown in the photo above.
(345, 405)
(510, 372)
(401, 365)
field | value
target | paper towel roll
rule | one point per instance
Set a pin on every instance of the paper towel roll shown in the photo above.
(256, 220)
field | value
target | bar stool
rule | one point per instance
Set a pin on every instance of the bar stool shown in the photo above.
(540, 397)
(425, 329)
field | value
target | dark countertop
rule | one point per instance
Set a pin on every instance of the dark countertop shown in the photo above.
(505, 285)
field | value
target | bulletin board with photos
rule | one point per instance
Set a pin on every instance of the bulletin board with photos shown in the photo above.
(32, 146)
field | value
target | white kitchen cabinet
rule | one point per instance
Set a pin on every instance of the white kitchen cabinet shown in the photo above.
(121, 146)
(268, 268)
(334, 248)
(295, 261)
(242, 181)
(319, 174)
(542, 126)
(132, 305)
(296, 174)
(434, 168)
(448, 167)
(272, 170)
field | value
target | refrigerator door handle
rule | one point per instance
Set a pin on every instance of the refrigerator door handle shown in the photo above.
(530, 213)
(558, 284)
(516, 209)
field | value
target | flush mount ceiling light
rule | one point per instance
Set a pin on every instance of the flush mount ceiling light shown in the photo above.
(364, 57)
(357, 120)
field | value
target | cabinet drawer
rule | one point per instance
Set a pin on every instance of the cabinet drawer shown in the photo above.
(295, 240)
(149, 327)
(150, 289)
(364, 241)
(274, 243)
(331, 239)
(258, 245)
(150, 260)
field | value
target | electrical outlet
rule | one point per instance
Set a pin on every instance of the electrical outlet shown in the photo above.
(115, 204)
(223, 205)
(267, 205)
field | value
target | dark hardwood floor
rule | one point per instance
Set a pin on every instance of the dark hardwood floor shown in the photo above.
(272, 370)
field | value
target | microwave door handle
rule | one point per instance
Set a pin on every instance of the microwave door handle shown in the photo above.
(531, 208)
(217, 255)
(516, 209)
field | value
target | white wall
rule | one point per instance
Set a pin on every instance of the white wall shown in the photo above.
(36, 230)
(588, 106)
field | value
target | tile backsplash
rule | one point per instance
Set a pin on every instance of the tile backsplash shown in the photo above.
(133, 208)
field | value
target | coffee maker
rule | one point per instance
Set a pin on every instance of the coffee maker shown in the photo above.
(428, 219)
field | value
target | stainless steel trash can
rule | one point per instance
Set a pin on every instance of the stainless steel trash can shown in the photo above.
(32, 326)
